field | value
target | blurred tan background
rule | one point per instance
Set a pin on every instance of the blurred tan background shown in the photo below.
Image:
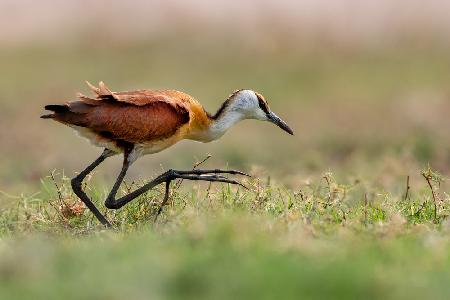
(364, 84)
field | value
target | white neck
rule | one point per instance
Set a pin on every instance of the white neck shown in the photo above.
(241, 105)
(223, 123)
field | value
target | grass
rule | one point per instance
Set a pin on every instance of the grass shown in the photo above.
(324, 240)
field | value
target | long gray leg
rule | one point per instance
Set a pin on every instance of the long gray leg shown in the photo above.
(77, 182)
(167, 177)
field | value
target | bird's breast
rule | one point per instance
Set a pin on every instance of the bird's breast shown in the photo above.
(156, 146)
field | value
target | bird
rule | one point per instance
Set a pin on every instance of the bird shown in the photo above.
(141, 122)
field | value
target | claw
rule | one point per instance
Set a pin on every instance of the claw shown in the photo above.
(215, 171)
(242, 173)
(234, 172)
(241, 185)
(232, 181)
(216, 178)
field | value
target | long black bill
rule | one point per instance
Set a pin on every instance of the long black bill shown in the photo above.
(280, 123)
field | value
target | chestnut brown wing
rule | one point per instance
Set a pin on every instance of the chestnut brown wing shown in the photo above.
(122, 121)
(136, 124)
(134, 116)
(139, 97)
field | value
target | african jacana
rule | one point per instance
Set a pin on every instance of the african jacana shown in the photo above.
(142, 122)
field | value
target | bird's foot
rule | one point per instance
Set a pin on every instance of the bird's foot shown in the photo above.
(213, 175)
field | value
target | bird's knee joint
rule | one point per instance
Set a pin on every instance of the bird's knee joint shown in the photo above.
(111, 204)
(170, 173)
(76, 184)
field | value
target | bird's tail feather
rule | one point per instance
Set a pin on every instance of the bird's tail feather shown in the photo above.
(56, 109)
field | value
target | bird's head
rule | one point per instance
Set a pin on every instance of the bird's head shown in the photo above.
(252, 105)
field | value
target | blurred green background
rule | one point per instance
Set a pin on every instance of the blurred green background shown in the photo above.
(365, 85)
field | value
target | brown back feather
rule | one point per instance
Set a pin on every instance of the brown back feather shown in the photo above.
(135, 117)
